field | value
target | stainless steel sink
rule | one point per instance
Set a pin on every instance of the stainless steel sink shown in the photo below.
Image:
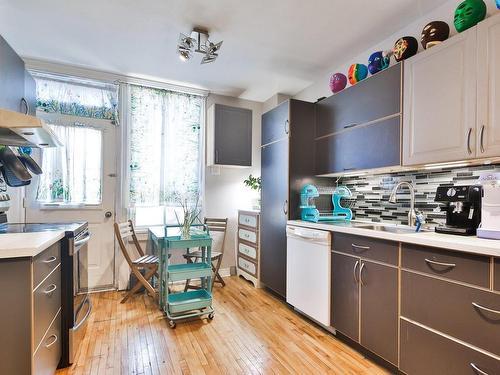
(387, 228)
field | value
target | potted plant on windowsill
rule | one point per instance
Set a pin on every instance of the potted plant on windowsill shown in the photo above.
(254, 183)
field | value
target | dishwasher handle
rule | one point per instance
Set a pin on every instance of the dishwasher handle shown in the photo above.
(318, 236)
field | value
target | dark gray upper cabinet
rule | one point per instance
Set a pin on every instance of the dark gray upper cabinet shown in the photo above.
(276, 123)
(229, 136)
(374, 98)
(371, 146)
(29, 104)
(11, 78)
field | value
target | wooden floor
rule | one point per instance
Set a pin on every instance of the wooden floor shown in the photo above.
(252, 333)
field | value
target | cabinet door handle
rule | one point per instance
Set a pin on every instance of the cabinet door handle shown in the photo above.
(359, 247)
(287, 127)
(216, 156)
(361, 274)
(469, 133)
(50, 260)
(285, 207)
(26, 106)
(477, 369)
(50, 289)
(449, 265)
(481, 139)
(54, 340)
(355, 273)
(477, 305)
(351, 125)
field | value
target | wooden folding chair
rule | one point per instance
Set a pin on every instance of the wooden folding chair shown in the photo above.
(217, 229)
(147, 263)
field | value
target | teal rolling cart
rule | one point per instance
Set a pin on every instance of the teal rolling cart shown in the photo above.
(194, 303)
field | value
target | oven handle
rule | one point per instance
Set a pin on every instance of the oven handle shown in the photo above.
(79, 324)
(83, 241)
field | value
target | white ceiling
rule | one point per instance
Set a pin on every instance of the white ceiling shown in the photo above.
(269, 46)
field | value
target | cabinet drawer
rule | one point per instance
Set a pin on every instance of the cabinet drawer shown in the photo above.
(468, 268)
(48, 354)
(459, 311)
(247, 266)
(247, 235)
(497, 274)
(377, 97)
(45, 262)
(425, 352)
(248, 220)
(247, 250)
(47, 301)
(366, 247)
(372, 146)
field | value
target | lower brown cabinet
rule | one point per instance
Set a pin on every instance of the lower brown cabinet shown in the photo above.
(374, 287)
(424, 352)
(345, 295)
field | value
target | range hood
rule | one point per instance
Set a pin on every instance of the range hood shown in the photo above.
(17, 129)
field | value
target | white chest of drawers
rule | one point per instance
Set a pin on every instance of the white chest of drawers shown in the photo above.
(248, 246)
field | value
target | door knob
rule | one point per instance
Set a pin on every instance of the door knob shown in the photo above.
(108, 214)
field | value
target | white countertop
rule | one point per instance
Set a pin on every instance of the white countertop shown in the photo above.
(468, 244)
(19, 245)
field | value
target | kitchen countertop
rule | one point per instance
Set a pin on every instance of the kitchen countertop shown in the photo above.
(468, 244)
(19, 245)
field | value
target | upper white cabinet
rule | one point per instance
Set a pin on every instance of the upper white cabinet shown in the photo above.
(488, 88)
(439, 121)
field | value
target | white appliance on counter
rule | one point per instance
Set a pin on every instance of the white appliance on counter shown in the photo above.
(490, 206)
(308, 272)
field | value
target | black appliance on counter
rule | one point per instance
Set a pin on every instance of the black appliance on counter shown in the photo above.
(463, 209)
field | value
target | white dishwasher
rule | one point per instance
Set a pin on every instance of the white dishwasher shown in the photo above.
(308, 272)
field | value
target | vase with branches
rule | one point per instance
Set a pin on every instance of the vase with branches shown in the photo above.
(191, 214)
(254, 183)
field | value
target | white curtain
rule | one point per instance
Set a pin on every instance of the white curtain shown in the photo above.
(72, 173)
(165, 152)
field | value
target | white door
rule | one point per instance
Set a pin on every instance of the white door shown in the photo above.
(99, 153)
(439, 117)
(488, 80)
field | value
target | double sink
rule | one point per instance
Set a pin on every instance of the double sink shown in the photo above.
(380, 227)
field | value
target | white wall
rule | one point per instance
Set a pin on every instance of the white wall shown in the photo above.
(225, 192)
(444, 13)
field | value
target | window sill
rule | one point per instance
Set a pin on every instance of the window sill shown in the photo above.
(62, 206)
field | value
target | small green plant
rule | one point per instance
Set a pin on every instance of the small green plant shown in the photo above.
(253, 183)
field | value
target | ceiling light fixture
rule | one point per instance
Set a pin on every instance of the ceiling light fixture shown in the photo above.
(198, 42)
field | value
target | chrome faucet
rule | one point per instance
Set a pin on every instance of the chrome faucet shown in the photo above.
(412, 214)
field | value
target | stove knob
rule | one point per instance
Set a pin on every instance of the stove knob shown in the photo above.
(451, 192)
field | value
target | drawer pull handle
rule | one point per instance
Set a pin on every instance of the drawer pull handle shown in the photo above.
(50, 260)
(50, 289)
(477, 305)
(359, 247)
(449, 265)
(54, 340)
(361, 274)
(477, 369)
(354, 273)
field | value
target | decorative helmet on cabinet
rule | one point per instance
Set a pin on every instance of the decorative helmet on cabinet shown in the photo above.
(434, 33)
(405, 47)
(338, 82)
(468, 14)
(357, 72)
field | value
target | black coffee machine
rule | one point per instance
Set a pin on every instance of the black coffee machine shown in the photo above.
(463, 209)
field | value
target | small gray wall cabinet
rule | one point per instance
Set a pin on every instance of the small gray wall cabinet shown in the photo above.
(360, 127)
(229, 136)
(30, 317)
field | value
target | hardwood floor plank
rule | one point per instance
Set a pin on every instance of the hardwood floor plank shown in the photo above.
(252, 333)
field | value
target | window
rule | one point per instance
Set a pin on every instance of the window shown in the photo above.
(75, 110)
(165, 152)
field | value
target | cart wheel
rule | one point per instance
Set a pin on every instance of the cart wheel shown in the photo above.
(172, 324)
(211, 316)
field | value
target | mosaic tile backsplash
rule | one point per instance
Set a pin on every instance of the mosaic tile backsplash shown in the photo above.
(372, 193)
